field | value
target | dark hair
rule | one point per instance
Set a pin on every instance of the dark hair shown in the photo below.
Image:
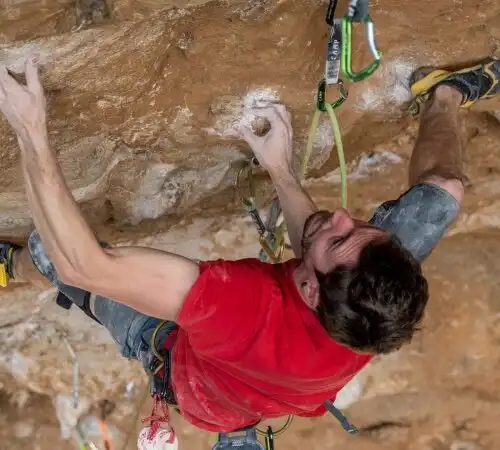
(377, 305)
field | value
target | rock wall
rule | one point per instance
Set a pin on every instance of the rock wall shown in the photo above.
(140, 107)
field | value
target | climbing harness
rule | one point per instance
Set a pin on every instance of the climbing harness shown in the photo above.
(249, 441)
(154, 352)
(358, 12)
(270, 434)
(157, 362)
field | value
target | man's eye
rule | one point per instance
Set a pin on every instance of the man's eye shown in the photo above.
(333, 242)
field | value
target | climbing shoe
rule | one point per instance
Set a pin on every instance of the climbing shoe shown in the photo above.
(6, 268)
(478, 82)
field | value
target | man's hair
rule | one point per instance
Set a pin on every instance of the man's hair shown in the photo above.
(377, 305)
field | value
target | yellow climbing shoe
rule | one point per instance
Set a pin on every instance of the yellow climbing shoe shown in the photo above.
(6, 270)
(478, 82)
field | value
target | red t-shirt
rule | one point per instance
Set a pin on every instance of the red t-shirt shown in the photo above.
(249, 348)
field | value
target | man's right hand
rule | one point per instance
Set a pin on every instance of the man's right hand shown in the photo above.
(274, 152)
(274, 149)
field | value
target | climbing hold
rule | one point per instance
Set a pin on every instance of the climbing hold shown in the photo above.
(260, 126)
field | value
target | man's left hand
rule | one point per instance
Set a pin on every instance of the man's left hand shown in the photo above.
(23, 105)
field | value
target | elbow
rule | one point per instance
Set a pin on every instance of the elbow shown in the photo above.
(70, 276)
(82, 275)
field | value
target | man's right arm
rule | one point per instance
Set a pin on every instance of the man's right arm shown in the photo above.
(296, 204)
(274, 152)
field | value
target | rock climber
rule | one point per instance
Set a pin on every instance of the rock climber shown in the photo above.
(256, 340)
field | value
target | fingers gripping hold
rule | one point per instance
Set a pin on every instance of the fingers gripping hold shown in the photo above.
(22, 101)
(3, 75)
(267, 118)
(273, 149)
(33, 77)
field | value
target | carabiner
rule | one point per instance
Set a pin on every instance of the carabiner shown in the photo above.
(347, 49)
(273, 243)
(248, 201)
(321, 99)
(247, 165)
(272, 254)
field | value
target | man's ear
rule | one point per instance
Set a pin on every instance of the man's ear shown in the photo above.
(310, 291)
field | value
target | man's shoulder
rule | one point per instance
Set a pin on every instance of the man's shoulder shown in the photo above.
(248, 262)
(245, 270)
(231, 264)
(227, 271)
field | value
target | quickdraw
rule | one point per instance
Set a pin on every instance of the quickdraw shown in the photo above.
(329, 107)
(358, 12)
(267, 235)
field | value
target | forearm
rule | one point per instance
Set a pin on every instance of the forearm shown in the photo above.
(69, 241)
(297, 206)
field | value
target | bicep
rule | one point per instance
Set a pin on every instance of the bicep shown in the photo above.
(150, 281)
(418, 218)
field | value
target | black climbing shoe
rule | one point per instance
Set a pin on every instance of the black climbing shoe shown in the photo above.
(6, 269)
(479, 82)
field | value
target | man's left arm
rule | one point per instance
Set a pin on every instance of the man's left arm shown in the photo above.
(148, 280)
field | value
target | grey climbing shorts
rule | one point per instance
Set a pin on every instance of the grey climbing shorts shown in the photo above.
(131, 330)
(418, 218)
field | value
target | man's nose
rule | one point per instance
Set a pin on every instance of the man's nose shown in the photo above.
(342, 222)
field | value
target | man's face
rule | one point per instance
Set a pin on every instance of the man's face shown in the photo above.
(336, 239)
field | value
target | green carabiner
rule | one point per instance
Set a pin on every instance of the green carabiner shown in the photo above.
(346, 60)
(321, 100)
